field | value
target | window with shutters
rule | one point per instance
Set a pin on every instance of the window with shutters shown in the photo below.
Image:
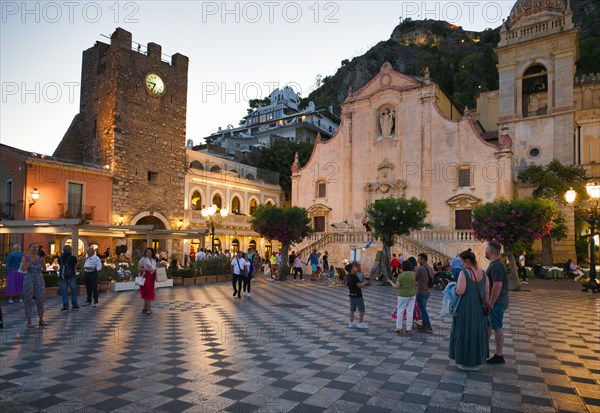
(74, 199)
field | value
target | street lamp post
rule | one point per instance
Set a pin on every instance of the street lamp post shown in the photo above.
(591, 214)
(212, 220)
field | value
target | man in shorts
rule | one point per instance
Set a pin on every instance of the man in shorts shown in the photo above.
(313, 261)
(498, 280)
(355, 286)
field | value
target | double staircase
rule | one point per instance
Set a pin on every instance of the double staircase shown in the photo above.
(439, 245)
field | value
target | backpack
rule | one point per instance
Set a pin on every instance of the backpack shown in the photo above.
(68, 269)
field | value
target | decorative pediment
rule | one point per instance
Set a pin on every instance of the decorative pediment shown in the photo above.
(318, 209)
(386, 78)
(466, 201)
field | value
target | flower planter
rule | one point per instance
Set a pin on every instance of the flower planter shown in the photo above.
(221, 278)
(130, 285)
(51, 291)
(81, 290)
(163, 284)
(200, 280)
(123, 286)
(104, 286)
(228, 277)
(211, 279)
(188, 281)
(177, 281)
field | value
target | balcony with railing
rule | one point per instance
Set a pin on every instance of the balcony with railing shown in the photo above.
(231, 220)
(85, 212)
(7, 210)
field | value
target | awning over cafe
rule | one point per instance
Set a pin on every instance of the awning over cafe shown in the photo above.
(76, 227)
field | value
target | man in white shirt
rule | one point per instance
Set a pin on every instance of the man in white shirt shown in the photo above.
(201, 255)
(90, 275)
(239, 266)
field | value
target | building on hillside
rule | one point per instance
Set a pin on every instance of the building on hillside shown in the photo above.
(401, 135)
(281, 119)
(239, 188)
(41, 189)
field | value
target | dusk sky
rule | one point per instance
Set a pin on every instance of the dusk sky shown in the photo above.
(237, 50)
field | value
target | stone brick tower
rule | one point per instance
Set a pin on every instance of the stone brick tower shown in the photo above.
(132, 119)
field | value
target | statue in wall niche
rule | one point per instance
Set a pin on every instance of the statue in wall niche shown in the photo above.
(386, 121)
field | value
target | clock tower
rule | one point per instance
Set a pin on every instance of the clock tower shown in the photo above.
(132, 120)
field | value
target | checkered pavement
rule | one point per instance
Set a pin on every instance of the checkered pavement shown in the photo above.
(287, 349)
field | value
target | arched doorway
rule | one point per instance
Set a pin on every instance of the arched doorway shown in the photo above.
(252, 244)
(80, 246)
(158, 245)
(235, 246)
(268, 250)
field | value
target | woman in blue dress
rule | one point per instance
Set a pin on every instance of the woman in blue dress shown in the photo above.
(469, 341)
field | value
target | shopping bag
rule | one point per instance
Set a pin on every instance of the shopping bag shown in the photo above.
(139, 281)
(161, 274)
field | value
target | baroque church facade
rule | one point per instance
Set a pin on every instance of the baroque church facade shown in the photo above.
(402, 136)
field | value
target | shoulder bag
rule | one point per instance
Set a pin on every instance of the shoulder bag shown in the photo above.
(430, 283)
(243, 270)
(486, 308)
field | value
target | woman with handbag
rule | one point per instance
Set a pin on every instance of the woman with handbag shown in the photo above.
(147, 268)
(33, 284)
(469, 342)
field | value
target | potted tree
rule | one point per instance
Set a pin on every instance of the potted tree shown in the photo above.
(105, 276)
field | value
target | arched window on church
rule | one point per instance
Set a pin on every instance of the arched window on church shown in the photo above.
(535, 91)
(215, 168)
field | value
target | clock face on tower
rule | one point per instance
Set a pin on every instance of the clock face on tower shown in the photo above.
(154, 84)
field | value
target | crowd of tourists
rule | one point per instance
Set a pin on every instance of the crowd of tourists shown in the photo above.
(25, 282)
(479, 300)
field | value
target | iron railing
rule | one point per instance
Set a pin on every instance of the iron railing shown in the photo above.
(85, 212)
